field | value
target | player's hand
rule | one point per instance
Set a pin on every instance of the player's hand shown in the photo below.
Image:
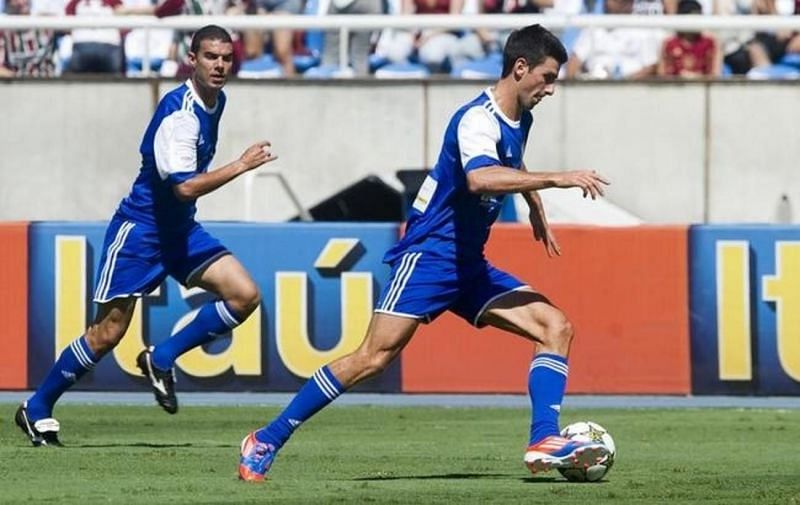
(588, 180)
(543, 234)
(257, 154)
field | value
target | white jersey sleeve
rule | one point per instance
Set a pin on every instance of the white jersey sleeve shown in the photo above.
(478, 135)
(175, 144)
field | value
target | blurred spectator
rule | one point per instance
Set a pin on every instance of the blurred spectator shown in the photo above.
(282, 40)
(434, 47)
(177, 63)
(524, 6)
(360, 42)
(626, 53)
(26, 53)
(95, 50)
(765, 48)
(47, 7)
(690, 54)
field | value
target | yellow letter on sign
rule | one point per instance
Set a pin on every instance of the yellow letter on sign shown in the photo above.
(783, 288)
(733, 310)
(291, 326)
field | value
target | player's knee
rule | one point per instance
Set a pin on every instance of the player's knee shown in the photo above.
(246, 300)
(373, 363)
(105, 336)
(560, 331)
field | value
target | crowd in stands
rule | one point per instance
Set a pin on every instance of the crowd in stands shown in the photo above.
(597, 53)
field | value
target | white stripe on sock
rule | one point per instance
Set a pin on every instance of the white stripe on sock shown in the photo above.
(323, 387)
(561, 370)
(329, 383)
(81, 355)
(552, 362)
(224, 314)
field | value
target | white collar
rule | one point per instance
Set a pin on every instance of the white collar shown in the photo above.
(499, 112)
(199, 100)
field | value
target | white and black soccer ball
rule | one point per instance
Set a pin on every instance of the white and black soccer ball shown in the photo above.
(588, 431)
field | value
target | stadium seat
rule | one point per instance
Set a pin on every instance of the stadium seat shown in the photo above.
(489, 67)
(329, 72)
(403, 71)
(260, 68)
(775, 72)
(791, 60)
(313, 41)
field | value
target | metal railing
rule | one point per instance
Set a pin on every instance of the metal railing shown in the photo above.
(346, 23)
(249, 182)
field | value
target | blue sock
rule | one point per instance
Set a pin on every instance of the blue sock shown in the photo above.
(74, 362)
(547, 380)
(213, 319)
(319, 391)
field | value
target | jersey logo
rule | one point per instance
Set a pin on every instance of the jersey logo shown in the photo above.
(425, 194)
(201, 141)
(509, 154)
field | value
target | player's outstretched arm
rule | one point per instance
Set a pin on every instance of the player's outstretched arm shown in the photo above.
(499, 180)
(255, 156)
(541, 229)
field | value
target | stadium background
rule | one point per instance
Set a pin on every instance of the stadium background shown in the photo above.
(704, 308)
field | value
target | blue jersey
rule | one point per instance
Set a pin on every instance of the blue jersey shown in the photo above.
(446, 219)
(179, 144)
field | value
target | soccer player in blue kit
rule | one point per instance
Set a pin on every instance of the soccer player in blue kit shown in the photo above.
(439, 264)
(153, 234)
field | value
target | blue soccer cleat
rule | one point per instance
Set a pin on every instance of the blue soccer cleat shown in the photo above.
(256, 459)
(559, 452)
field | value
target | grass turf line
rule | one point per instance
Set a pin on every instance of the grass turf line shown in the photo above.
(356, 454)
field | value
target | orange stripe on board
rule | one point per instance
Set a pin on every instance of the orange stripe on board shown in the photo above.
(624, 289)
(14, 305)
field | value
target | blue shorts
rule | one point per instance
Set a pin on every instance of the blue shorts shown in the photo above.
(422, 286)
(138, 257)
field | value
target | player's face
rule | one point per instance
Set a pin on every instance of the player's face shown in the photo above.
(212, 63)
(537, 82)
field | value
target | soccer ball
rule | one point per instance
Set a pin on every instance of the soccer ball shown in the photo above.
(587, 431)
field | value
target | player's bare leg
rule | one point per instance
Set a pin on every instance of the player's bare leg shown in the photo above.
(532, 316)
(387, 335)
(238, 298)
(34, 416)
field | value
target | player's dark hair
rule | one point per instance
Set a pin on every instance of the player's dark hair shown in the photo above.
(209, 32)
(534, 43)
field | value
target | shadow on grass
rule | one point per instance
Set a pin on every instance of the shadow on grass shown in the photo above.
(148, 445)
(442, 476)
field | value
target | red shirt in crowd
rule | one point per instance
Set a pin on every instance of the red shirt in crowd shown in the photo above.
(683, 56)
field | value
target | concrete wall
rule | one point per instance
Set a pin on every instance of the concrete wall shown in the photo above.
(675, 152)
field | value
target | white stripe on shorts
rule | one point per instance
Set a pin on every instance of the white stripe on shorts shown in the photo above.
(111, 258)
(400, 280)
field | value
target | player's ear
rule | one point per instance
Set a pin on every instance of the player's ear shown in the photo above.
(192, 58)
(520, 68)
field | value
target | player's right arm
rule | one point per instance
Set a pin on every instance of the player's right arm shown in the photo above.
(496, 180)
(478, 135)
(175, 149)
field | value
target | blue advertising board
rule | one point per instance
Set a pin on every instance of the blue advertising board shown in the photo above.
(745, 309)
(318, 284)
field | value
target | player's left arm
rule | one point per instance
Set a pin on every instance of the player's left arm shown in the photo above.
(202, 184)
(538, 219)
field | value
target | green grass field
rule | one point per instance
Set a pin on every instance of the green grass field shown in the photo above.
(399, 455)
